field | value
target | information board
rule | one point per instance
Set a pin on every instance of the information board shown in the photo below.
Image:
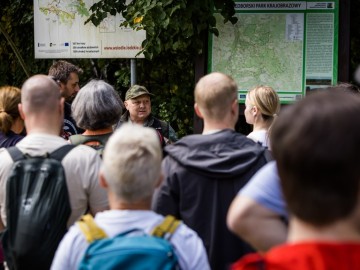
(60, 32)
(291, 46)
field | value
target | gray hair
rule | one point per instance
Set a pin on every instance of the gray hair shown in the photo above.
(132, 162)
(97, 105)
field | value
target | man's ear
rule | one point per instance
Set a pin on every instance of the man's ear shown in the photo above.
(62, 87)
(235, 107)
(197, 111)
(126, 104)
(62, 102)
(102, 181)
(22, 115)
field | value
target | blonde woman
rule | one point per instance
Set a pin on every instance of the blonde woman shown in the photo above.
(11, 124)
(262, 105)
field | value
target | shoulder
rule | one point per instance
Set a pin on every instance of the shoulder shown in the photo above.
(250, 262)
(189, 248)
(157, 123)
(260, 136)
(83, 153)
(4, 155)
(264, 188)
(5, 164)
(307, 254)
(185, 236)
(124, 117)
(164, 125)
(71, 249)
(17, 138)
(154, 122)
(10, 140)
(265, 176)
(84, 160)
(170, 165)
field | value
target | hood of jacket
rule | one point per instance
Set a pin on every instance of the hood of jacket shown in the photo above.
(222, 154)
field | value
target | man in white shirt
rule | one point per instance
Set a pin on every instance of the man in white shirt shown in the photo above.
(42, 110)
(130, 173)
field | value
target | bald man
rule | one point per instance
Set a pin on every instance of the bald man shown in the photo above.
(42, 109)
(203, 173)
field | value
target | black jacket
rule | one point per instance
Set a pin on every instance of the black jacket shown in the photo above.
(69, 127)
(203, 174)
(163, 128)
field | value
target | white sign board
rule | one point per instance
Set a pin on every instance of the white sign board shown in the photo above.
(60, 32)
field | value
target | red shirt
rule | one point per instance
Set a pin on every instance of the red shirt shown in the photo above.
(304, 256)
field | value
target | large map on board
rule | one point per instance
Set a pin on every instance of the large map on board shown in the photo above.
(64, 10)
(261, 49)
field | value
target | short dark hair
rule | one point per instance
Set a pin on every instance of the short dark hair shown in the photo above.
(61, 70)
(96, 106)
(316, 143)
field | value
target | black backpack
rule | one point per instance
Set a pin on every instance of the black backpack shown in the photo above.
(37, 207)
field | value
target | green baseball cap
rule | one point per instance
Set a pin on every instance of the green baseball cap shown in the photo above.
(136, 91)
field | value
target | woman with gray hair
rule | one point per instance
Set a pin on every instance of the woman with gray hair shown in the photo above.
(96, 108)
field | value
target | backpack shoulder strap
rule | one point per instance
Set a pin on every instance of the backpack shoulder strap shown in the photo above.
(83, 139)
(167, 227)
(15, 153)
(61, 152)
(90, 229)
(58, 154)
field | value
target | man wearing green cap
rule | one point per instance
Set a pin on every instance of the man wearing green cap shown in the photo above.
(138, 106)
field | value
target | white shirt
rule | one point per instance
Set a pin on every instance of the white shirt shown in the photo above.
(187, 245)
(260, 136)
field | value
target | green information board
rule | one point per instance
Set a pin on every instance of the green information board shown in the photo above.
(291, 46)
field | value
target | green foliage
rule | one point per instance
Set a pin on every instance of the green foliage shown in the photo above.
(81, 9)
(176, 33)
(16, 18)
(101, 9)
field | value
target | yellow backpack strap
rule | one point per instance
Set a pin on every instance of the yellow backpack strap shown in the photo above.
(90, 229)
(168, 226)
